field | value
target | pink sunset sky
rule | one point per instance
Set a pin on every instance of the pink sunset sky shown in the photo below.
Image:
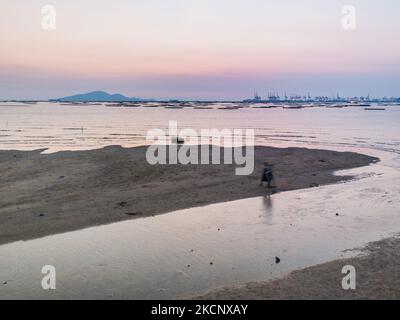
(208, 49)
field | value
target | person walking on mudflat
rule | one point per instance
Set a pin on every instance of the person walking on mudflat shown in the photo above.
(267, 175)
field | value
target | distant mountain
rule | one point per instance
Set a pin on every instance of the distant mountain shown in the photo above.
(99, 96)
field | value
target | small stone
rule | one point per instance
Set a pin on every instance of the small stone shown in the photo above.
(277, 260)
(211, 263)
(41, 215)
(131, 213)
(337, 214)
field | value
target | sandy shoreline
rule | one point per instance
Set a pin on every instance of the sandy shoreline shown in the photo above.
(377, 278)
(43, 194)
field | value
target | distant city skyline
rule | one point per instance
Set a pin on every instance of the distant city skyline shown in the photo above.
(199, 50)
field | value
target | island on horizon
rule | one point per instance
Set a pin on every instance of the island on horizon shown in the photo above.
(96, 96)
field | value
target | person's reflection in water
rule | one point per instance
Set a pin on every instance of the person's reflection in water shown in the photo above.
(268, 202)
(267, 208)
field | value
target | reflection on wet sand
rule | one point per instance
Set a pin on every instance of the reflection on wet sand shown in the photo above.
(268, 201)
(188, 252)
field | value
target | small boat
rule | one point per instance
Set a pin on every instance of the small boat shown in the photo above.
(359, 105)
(294, 107)
(185, 104)
(336, 106)
(263, 107)
(230, 108)
(130, 105)
(150, 106)
(116, 105)
(374, 109)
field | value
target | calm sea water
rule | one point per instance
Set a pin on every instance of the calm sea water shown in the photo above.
(60, 127)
